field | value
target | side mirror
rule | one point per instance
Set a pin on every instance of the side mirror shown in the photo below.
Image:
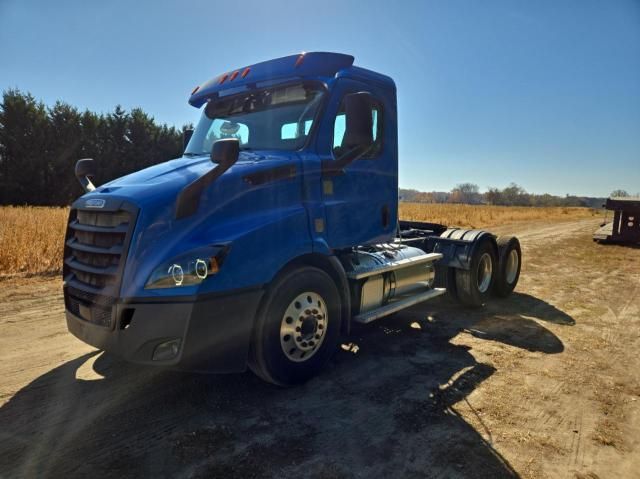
(358, 134)
(358, 121)
(84, 170)
(225, 152)
(186, 136)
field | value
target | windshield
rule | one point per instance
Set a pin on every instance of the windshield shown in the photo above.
(277, 118)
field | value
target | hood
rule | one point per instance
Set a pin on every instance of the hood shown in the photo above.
(245, 198)
(161, 183)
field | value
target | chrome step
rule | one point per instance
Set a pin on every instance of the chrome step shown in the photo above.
(398, 305)
(394, 265)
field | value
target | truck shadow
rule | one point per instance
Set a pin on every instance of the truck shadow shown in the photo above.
(384, 407)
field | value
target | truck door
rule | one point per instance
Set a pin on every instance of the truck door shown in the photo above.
(360, 203)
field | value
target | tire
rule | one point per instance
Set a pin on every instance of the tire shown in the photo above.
(510, 262)
(298, 327)
(474, 286)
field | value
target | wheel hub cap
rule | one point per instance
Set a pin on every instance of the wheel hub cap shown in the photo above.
(512, 266)
(303, 326)
(485, 272)
(308, 327)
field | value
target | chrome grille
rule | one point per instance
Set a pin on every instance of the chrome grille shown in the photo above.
(95, 253)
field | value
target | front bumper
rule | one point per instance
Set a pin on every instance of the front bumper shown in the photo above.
(214, 332)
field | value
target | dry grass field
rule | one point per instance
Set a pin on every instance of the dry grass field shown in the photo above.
(32, 237)
(482, 216)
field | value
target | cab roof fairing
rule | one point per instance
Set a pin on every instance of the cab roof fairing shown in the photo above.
(314, 64)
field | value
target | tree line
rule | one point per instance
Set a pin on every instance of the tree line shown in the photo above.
(512, 195)
(40, 145)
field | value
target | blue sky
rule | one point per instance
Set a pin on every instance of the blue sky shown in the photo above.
(544, 93)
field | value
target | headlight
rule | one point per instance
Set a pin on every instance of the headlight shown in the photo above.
(188, 269)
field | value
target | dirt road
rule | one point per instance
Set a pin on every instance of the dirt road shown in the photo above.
(543, 384)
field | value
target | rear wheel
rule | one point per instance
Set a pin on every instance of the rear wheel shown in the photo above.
(298, 327)
(510, 262)
(474, 285)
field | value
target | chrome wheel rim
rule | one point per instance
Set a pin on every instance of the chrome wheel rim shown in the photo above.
(512, 266)
(485, 271)
(303, 326)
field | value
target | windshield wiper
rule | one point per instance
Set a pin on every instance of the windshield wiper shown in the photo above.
(191, 155)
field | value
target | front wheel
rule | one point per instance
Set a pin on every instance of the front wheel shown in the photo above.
(298, 327)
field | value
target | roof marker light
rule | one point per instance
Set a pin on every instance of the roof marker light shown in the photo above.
(195, 89)
(245, 72)
(299, 59)
(234, 75)
(223, 78)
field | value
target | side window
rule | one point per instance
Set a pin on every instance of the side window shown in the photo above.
(289, 131)
(339, 127)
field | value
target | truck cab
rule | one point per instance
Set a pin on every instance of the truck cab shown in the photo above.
(276, 229)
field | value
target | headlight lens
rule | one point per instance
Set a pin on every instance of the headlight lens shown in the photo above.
(188, 269)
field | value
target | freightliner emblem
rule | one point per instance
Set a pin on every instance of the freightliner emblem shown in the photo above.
(94, 203)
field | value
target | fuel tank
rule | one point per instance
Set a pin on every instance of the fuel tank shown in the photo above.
(399, 274)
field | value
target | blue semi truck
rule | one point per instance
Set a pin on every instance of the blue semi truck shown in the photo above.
(275, 231)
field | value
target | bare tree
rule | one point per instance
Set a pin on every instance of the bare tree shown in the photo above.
(619, 194)
(493, 196)
(465, 193)
(515, 195)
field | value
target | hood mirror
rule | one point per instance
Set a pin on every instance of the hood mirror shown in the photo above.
(224, 153)
(84, 170)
